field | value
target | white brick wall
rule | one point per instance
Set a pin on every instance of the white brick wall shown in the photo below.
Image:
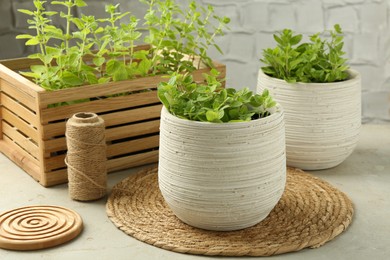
(365, 22)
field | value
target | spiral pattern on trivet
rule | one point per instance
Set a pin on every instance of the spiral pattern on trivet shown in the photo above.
(37, 227)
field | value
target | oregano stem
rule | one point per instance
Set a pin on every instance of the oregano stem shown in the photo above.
(157, 48)
(82, 52)
(39, 28)
(131, 52)
(67, 32)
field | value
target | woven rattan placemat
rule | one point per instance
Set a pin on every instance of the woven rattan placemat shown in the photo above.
(310, 213)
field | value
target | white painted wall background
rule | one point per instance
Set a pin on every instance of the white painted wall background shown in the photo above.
(366, 24)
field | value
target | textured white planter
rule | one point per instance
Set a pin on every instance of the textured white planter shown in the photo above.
(322, 119)
(225, 176)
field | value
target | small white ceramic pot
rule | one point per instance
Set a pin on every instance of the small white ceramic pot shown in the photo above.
(322, 119)
(222, 176)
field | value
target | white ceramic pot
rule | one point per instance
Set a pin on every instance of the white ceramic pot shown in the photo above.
(322, 119)
(222, 176)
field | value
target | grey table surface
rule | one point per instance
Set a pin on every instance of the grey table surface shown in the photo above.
(364, 177)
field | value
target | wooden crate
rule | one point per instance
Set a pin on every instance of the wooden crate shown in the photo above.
(32, 133)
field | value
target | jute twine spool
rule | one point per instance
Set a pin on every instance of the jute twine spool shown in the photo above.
(86, 157)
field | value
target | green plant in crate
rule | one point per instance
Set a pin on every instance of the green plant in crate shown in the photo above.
(176, 34)
(320, 60)
(176, 37)
(210, 102)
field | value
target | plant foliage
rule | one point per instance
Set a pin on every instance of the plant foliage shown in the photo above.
(210, 102)
(320, 60)
(176, 37)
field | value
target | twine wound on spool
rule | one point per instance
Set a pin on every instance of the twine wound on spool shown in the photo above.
(86, 157)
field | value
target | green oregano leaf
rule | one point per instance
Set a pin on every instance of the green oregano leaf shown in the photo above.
(112, 66)
(80, 3)
(38, 69)
(212, 116)
(24, 36)
(144, 67)
(120, 74)
(71, 79)
(98, 61)
(28, 12)
(60, 3)
(33, 41)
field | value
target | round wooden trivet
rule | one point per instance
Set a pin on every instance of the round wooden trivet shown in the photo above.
(310, 213)
(38, 227)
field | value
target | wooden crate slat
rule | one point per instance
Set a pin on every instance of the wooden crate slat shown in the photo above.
(55, 178)
(20, 63)
(53, 129)
(133, 115)
(132, 130)
(21, 158)
(132, 146)
(19, 110)
(132, 161)
(99, 90)
(19, 81)
(98, 106)
(24, 127)
(54, 145)
(58, 129)
(20, 139)
(54, 162)
(23, 97)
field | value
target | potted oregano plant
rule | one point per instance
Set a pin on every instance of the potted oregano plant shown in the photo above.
(98, 68)
(320, 94)
(222, 162)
